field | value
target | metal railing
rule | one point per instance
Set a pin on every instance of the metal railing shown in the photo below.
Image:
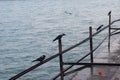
(84, 65)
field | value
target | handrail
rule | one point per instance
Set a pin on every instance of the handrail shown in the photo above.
(81, 58)
(88, 53)
(85, 65)
(56, 55)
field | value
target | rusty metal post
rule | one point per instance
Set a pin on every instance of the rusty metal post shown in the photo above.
(91, 44)
(109, 32)
(91, 49)
(59, 38)
(60, 58)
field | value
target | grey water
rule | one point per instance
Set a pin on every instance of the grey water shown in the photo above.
(27, 28)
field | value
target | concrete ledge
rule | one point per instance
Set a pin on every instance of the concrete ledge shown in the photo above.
(103, 72)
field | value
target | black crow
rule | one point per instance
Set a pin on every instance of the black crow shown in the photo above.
(109, 13)
(59, 36)
(99, 27)
(41, 58)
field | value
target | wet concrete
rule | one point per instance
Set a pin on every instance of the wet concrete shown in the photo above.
(103, 72)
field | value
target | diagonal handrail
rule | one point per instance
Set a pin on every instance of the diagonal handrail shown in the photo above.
(56, 55)
(88, 53)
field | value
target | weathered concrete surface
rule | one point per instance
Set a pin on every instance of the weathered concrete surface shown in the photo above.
(103, 72)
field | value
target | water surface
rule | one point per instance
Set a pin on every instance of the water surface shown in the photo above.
(27, 28)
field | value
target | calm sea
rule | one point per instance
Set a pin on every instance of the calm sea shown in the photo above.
(27, 28)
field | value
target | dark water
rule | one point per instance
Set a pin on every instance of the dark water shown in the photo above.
(27, 28)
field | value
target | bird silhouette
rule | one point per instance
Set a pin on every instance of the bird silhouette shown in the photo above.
(41, 58)
(99, 27)
(109, 13)
(59, 36)
(68, 13)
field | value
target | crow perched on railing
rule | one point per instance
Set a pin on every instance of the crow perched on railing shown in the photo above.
(99, 27)
(41, 58)
(109, 13)
(59, 36)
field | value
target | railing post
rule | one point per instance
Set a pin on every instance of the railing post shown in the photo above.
(60, 58)
(91, 44)
(109, 32)
(60, 54)
(91, 49)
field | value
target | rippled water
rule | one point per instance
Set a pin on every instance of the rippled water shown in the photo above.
(27, 28)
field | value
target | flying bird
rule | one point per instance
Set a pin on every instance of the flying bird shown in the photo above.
(41, 58)
(68, 13)
(99, 27)
(59, 36)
